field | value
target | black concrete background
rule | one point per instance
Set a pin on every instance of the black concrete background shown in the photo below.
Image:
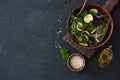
(27, 42)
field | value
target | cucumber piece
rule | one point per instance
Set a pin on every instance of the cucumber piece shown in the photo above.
(88, 18)
(93, 31)
(95, 11)
(83, 43)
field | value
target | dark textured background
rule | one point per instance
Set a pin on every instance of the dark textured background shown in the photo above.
(27, 42)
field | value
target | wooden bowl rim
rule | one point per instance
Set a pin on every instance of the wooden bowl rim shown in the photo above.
(111, 25)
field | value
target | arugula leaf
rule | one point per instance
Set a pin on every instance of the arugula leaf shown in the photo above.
(90, 26)
(106, 19)
(73, 28)
(105, 29)
(83, 14)
(64, 53)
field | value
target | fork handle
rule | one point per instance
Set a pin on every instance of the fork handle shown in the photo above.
(85, 2)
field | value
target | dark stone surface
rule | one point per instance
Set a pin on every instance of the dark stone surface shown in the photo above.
(27, 38)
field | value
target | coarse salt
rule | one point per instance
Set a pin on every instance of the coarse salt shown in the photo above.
(76, 62)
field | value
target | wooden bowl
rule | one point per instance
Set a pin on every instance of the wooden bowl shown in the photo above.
(68, 62)
(110, 28)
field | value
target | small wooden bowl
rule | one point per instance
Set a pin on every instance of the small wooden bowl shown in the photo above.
(70, 67)
(100, 8)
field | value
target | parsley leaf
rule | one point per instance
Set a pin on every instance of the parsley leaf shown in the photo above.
(64, 53)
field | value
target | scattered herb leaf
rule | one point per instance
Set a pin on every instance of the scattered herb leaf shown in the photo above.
(65, 54)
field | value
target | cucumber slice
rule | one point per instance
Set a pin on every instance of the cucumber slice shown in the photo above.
(83, 43)
(93, 31)
(95, 11)
(88, 18)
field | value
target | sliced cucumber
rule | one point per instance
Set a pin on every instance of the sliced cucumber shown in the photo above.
(93, 31)
(83, 43)
(95, 11)
(88, 18)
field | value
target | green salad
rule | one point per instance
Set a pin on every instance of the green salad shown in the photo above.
(89, 27)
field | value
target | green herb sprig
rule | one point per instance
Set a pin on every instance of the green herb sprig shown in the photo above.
(65, 54)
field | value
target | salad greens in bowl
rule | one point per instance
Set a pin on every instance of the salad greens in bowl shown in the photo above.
(92, 28)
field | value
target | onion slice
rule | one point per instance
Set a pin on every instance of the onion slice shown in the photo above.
(97, 36)
(80, 29)
(88, 18)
